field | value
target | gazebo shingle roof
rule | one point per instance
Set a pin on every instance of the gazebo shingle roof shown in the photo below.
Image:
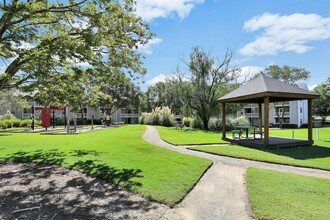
(255, 90)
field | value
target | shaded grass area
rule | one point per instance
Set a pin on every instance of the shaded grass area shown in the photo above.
(276, 195)
(317, 156)
(189, 137)
(118, 155)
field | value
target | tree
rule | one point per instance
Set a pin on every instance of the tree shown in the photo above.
(321, 106)
(164, 94)
(208, 81)
(12, 100)
(110, 97)
(286, 74)
(44, 37)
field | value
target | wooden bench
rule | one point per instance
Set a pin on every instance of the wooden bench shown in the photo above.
(239, 132)
(257, 132)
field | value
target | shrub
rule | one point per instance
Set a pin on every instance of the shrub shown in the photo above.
(8, 116)
(304, 125)
(215, 123)
(241, 121)
(186, 121)
(142, 119)
(159, 116)
(7, 124)
(289, 126)
(24, 123)
(95, 121)
(4, 124)
(16, 123)
(196, 122)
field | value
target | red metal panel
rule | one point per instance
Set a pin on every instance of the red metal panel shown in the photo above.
(45, 117)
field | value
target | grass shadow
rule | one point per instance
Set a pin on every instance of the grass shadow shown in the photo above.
(118, 177)
(81, 153)
(302, 153)
(52, 156)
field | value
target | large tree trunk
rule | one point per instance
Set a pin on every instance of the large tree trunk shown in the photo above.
(205, 121)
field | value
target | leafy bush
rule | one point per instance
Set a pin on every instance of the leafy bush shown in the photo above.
(16, 122)
(304, 125)
(8, 116)
(95, 121)
(186, 121)
(7, 124)
(25, 122)
(215, 123)
(159, 116)
(241, 121)
(289, 126)
(4, 124)
(196, 122)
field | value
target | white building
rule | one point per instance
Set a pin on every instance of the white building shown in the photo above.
(295, 112)
(125, 115)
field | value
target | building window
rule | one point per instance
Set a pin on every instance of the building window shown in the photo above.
(300, 109)
(248, 110)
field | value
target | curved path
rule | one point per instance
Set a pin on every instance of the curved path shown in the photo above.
(221, 192)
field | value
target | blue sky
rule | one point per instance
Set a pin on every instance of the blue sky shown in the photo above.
(261, 32)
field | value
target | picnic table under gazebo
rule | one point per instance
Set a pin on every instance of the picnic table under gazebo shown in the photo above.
(265, 90)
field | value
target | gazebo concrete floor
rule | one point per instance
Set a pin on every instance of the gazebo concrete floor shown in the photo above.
(274, 142)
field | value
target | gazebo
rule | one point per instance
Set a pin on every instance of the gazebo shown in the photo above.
(267, 90)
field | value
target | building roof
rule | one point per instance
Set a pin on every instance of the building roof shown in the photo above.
(255, 90)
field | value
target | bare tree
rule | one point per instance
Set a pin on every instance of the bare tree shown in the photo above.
(208, 81)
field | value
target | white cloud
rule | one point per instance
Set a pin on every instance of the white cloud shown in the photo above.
(163, 77)
(159, 78)
(285, 33)
(249, 71)
(147, 49)
(151, 9)
(310, 88)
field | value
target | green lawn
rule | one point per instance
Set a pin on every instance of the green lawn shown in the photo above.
(276, 195)
(189, 137)
(317, 156)
(119, 155)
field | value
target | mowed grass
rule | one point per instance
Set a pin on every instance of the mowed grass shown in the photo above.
(276, 195)
(189, 137)
(317, 156)
(118, 155)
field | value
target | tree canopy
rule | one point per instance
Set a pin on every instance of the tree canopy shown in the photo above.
(321, 106)
(44, 39)
(286, 73)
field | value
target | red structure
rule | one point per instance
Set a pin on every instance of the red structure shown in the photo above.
(45, 114)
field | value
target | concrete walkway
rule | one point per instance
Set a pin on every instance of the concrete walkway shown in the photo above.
(221, 192)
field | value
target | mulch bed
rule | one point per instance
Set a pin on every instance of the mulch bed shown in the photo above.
(30, 191)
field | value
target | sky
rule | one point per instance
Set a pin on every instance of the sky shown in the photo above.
(261, 32)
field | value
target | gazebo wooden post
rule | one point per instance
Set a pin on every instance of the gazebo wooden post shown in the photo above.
(223, 120)
(310, 122)
(260, 117)
(266, 120)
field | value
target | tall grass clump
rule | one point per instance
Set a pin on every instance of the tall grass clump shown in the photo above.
(186, 121)
(159, 116)
(196, 123)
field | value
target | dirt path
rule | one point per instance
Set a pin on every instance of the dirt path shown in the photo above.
(221, 193)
